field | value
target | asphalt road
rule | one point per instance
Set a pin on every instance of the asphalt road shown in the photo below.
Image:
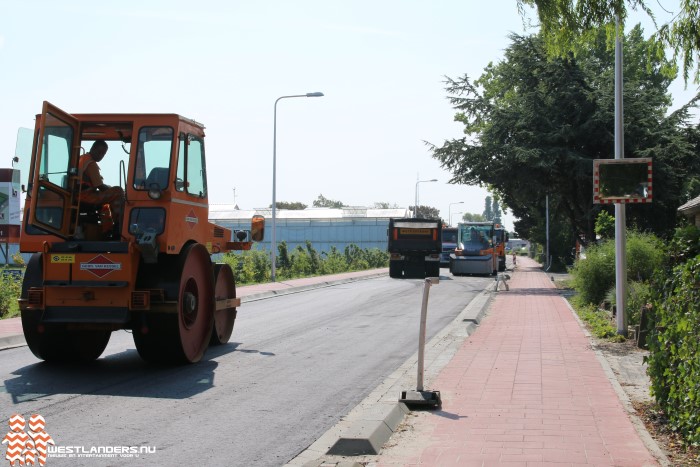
(296, 364)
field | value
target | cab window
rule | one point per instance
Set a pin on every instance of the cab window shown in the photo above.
(55, 152)
(153, 151)
(191, 171)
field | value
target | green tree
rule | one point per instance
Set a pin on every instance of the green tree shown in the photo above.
(426, 212)
(534, 124)
(471, 217)
(294, 206)
(496, 209)
(323, 202)
(693, 188)
(488, 209)
(385, 205)
(566, 24)
(605, 225)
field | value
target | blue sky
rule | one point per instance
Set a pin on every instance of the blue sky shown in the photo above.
(380, 64)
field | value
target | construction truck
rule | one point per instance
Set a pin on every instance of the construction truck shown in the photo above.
(150, 271)
(415, 246)
(449, 243)
(476, 252)
(500, 245)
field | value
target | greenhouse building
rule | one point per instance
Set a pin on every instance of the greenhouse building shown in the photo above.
(323, 227)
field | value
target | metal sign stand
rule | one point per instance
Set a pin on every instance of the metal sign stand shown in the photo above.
(502, 278)
(420, 397)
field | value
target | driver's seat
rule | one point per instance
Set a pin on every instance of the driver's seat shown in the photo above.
(159, 176)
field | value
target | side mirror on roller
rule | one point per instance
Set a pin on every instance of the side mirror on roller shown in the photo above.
(257, 228)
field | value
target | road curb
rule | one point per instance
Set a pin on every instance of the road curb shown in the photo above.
(9, 342)
(372, 422)
(368, 434)
(304, 288)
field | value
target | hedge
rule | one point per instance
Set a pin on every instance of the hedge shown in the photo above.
(674, 348)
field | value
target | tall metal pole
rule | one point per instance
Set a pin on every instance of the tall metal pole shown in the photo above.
(273, 244)
(415, 208)
(449, 210)
(620, 220)
(546, 207)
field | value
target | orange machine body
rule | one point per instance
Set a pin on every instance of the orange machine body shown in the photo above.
(84, 277)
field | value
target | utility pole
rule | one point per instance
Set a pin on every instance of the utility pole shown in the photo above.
(546, 258)
(620, 220)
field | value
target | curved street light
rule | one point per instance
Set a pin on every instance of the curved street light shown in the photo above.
(274, 178)
(415, 207)
(449, 210)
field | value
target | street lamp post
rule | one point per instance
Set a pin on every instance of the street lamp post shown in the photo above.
(455, 213)
(274, 178)
(449, 210)
(415, 208)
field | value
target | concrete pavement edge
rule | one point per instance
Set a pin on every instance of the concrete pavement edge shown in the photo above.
(372, 422)
(303, 288)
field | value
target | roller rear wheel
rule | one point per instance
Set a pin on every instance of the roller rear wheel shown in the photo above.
(224, 319)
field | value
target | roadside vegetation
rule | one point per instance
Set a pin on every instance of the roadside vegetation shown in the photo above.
(254, 266)
(674, 336)
(663, 279)
(10, 288)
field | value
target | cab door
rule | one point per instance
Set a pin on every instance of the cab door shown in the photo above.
(53, 206)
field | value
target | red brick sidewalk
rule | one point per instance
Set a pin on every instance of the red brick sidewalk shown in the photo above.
(525, 389)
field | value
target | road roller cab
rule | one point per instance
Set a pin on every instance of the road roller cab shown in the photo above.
(141, 262)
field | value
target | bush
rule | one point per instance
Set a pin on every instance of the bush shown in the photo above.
(645, 255)
(249, 267)
(10, 288)
(674, 348)
(685, 244)
(638, 295)
(334, 262)
(595, 275)
(254, 266)
(301, 263)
